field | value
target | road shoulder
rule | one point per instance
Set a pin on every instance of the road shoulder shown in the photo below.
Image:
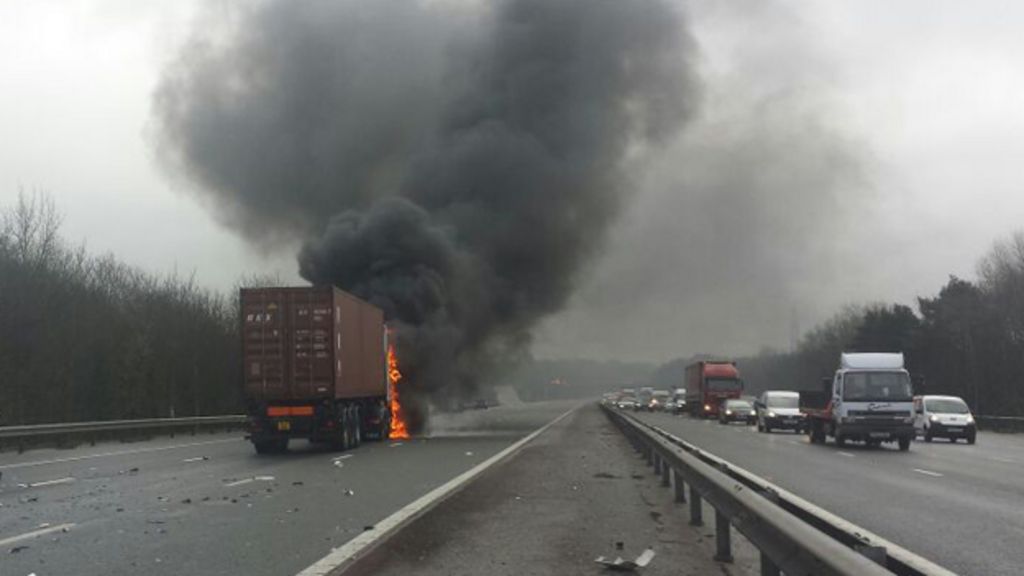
(576, 492)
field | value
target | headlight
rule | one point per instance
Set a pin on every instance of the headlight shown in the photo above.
(934, 418)
(970, 419)
(728, 412)
(771, 414)
(707, 407)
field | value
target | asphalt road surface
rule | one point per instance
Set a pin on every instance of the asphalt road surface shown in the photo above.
(958, 505)
(209, 505)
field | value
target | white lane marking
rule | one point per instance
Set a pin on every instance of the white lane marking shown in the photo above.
(36, 533)
(795, 442)
(346, 456)
(928, 473)
(65, 480)
(367, 540)
(196, 459)
(247, 480)
(109, 454)
(847, 454)
(1003, 460)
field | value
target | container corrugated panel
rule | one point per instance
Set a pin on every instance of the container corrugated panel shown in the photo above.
(309, 343)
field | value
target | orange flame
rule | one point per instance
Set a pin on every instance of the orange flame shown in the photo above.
(398, 429)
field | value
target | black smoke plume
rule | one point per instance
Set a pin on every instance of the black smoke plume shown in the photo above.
(455, 164)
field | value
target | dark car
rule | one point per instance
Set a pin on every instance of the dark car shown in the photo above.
(737, 411)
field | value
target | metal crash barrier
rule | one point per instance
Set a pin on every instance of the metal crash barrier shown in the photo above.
(794, 537)
(23, 436)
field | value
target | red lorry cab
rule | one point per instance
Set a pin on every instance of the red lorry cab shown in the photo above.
(709, 383)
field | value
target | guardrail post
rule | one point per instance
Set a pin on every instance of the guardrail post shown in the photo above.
(679, 486)
(723, 543)
(768, 568)
(666, 474)
(696, 512)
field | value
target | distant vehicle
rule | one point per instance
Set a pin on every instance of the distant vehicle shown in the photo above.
(779, 410)
(659, 400)
(708, 384)
(679, 401)
(294, 342)
(868, 399)
(627, 403)
(944, 417)
(734, 410)
(644, 397)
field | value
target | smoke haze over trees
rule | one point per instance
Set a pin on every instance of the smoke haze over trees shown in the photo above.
(967, 340)
(455, 164)
(86, 337)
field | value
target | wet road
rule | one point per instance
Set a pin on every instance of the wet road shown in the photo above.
(954, 504)
(209, 505)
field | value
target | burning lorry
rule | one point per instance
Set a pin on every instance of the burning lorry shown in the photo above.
(316, 365)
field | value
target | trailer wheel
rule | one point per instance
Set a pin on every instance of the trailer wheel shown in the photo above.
(904, 444)
(274, 446)
(840, 440)
(357, 428)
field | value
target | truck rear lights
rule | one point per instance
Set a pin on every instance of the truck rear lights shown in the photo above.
(279, 411)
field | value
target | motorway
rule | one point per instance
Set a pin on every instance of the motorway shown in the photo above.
(209, 505)
(954, 504)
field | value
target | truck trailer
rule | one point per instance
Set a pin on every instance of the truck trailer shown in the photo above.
(868, 399)
(314, 367)
(709, 383)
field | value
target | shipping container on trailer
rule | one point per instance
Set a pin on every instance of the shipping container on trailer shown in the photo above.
(314, 366)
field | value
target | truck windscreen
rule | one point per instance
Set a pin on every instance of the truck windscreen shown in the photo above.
(877, 387)
(724, 384)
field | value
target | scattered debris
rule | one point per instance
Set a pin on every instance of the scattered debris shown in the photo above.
(292, 510)
(605, 475)
(394, 444)
(637, 476)
(119, 509)
(17, 549)
(186, 501)
(162, 498)
(368, 528)
(339, 464)
(469, 453)
(156, 521)
(297, 483)
(197, 459)
(620, 565)
(349, 493)
(620, 545)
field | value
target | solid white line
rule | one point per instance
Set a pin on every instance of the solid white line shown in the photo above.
(196, 459)
(847, 454)
(366, 541)
(51, 482)
(928, 473)
(346, 456)
(239, 482)
(1003, 460)
(35, 533)
(108, 454)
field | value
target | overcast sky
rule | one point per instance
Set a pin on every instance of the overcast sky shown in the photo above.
(844, 152)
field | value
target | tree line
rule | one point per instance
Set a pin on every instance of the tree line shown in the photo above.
(968, 340)
(86, 337)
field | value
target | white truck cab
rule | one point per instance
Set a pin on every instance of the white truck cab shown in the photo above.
(870, 400)
(944, 417)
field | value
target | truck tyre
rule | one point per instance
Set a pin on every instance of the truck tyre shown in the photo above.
(840, 440)
(904, 444)
(767, 428)
(263, 446)
(357, 428)
(971, 438)
(927, 435)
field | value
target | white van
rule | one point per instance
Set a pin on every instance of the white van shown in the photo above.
(944, 417)
(779, 409)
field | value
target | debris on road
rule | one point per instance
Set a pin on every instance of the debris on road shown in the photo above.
(17, 549)
(186, 501)
(197, 459)
(298, 483)
(469, 453)
(368, 528)
(620, 565)
(395, 444)
(349, 493)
